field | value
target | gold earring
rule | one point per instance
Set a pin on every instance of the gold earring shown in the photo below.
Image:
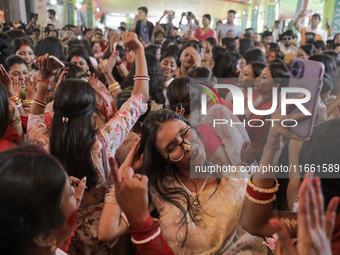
(54, 245)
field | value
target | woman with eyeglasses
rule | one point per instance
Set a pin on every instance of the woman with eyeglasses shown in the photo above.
(196, 216)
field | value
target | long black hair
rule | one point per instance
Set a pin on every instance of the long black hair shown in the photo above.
(4, 47)
(17, 43)
(71, 141)
(331, 75)
(52, 46)
(31, 186)
(157, 79)
(245, 44)
(81, 53)
(184, 92)
(257, 68)
(159, 170)
(4, 110)
(228, 66)
(255, 55)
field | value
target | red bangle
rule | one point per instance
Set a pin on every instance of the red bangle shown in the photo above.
(41, 102)
(258, 195)
(118, 63)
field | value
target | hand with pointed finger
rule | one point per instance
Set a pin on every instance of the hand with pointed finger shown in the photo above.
(79, 186)
(131, 192)
(133, 160)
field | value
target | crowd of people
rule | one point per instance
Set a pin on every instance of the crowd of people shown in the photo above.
(100, 130)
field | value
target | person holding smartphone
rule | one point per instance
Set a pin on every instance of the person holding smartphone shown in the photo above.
(320, 34)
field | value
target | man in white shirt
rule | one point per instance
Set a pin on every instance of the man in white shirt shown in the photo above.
(287, 46)
(320, 34)
(52, 20)
(224, 28)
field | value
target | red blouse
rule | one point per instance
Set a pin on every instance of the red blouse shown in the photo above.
(198, 34)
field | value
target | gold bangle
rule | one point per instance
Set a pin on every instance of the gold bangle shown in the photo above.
(27, 101)
(260, 202)
(113, 86)
(261, 190)
(15, 95)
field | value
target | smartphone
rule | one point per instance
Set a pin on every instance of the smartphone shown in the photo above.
(308, 12)
(306, 74)
(327, 23)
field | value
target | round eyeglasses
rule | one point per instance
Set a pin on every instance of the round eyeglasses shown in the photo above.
(177, 152)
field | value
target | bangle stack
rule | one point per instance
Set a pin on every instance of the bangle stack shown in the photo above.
(259, 195)
(40, 103)
(16, 99)
(111, 197)
(27, 103)
(141, 77)
(14, 120)
(147, 239)
(114, 87)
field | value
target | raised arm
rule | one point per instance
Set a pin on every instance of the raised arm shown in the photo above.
(46, 72)
(165, 13)
(141, 80)
(296, 21)
(107, 68)
(256, 212)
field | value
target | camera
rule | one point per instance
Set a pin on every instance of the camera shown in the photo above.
(297, 69)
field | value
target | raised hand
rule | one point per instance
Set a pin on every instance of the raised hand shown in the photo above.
(108, 67)
(315, 227)
(131, 41)
(131, 191)
(30, 86)
(4, 77)
(113, 42)
(93, 81)
(61, 78)
(16, 85)
(197, 58)
(45, 66)
(79, 186)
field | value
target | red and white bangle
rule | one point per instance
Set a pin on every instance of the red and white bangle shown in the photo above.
(147, 239)
(259, 195)
(38, 102)
(141, 77)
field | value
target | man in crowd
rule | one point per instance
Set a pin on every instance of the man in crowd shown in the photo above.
(266, 39)
(320, 46)
(320, 34)
(88, 34)
(168, 27)
(143, 28)
(287, 45)
(52, 20)
(256, 38)
(224, 28)
(250, 30)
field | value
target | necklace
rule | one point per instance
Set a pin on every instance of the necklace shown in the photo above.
(197, 207)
